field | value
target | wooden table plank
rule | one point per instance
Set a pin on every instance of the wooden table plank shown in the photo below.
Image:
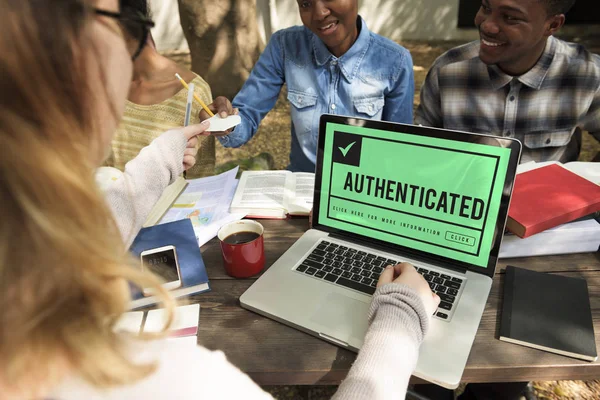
(492, 360)
(275, 354)
(270, 352)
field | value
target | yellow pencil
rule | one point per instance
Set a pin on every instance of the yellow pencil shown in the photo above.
(185, 85)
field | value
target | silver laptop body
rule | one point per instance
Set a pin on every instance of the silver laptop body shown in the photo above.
(309, 290)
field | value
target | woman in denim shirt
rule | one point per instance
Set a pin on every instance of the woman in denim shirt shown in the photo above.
(333, 64)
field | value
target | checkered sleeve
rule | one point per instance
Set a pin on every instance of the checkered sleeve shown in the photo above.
(429, 111)
(591, 121)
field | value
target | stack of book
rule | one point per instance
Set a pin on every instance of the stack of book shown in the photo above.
(555, 209)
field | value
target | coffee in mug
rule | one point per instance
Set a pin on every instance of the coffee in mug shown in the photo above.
(241, 237)
(242, 247)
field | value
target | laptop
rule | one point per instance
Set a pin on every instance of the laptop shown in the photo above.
(388, 193)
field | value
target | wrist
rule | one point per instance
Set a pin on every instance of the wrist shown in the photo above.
(399, 307)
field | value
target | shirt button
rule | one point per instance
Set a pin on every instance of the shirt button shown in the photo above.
(334, 62)
(548, 141)
(512, 98)
(300, 99)
(333, 106)
(371, 107)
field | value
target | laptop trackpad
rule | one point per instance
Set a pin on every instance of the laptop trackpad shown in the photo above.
(342, 317)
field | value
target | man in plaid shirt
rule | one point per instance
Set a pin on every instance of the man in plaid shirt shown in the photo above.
(518, 81)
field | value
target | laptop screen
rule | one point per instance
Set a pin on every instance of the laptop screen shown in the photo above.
(422, 190)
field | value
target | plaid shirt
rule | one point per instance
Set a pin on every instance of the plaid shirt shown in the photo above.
(546, 108)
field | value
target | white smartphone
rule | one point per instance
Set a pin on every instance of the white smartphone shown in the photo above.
(162, 261)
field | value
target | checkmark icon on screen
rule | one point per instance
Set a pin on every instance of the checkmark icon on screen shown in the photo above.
(346, 149)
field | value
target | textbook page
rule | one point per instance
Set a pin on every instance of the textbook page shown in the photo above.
(206, 202)
(263, 193)
(304, 187)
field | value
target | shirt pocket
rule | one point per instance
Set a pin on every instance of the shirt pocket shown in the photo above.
(303, 110)
(371, 106)
(542, 139)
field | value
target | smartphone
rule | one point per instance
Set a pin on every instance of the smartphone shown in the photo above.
(162, 261)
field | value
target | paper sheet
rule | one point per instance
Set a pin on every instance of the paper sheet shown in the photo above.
(218, 124)
(587, 170)
(130, 322)
(185, 322)
(206, 203)
(185, 341)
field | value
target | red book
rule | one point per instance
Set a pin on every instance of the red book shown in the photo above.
(547, 197)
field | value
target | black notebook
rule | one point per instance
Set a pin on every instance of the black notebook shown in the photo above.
(548, 312)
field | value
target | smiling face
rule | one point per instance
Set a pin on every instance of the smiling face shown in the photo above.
(333, 21)
(514, 33)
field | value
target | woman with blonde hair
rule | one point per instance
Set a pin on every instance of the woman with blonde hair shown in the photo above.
(64, 272)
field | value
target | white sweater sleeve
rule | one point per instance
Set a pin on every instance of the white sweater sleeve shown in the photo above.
(398, 323)
(183, 372)
(132, 196)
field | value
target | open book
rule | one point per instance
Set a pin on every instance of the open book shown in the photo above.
(273, 194)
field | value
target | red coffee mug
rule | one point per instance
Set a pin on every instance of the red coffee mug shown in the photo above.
(242, 246)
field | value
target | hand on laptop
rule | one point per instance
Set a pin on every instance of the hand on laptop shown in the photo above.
(405, 273)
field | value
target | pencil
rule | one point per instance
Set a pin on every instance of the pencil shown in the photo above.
(185, 85)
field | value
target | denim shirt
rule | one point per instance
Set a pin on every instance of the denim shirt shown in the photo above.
(373, 79)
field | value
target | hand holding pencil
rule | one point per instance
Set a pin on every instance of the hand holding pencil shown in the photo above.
(223, 108)
(185, 85)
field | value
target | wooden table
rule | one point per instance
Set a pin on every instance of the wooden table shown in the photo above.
(275, 354)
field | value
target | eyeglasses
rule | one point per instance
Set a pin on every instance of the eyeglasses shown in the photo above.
(136, 26)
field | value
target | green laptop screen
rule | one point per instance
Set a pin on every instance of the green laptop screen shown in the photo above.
(434, 195)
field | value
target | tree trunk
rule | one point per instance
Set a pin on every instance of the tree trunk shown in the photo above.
(223, 39)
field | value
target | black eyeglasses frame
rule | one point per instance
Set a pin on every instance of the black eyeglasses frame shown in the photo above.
(145, 23)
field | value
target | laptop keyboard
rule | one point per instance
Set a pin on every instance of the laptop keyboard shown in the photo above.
(360, 271)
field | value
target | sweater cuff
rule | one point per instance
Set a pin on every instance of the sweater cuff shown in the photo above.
(171, 145)
(398, 307)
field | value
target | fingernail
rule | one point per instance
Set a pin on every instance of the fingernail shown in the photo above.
(388, 267)
(223, 114)
(205, 123)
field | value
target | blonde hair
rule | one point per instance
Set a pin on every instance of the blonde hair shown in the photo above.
(63, 266)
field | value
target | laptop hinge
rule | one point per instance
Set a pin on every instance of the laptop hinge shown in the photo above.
(405, 253)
